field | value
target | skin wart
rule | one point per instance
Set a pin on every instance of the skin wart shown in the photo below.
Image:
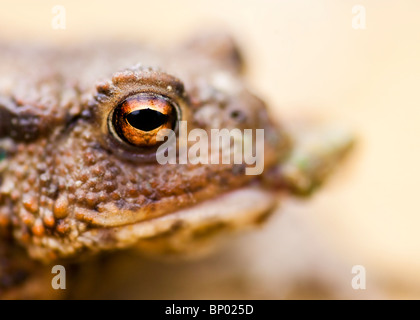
(75, 180)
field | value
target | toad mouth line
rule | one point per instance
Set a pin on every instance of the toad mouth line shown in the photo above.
(241, 208)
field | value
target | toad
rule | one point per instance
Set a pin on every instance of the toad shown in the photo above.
(79, 139)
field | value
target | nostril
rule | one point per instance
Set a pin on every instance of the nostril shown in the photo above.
(238, 115)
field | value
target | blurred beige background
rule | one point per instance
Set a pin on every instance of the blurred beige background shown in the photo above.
(303, 57)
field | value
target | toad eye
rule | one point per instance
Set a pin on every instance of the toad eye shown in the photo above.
(139, 119)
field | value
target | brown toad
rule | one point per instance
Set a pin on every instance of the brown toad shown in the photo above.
(78, 143)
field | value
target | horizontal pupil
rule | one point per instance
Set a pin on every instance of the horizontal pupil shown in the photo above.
(146, 119)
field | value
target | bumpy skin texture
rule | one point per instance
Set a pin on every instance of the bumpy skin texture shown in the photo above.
(64, 174)
(68, 187)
